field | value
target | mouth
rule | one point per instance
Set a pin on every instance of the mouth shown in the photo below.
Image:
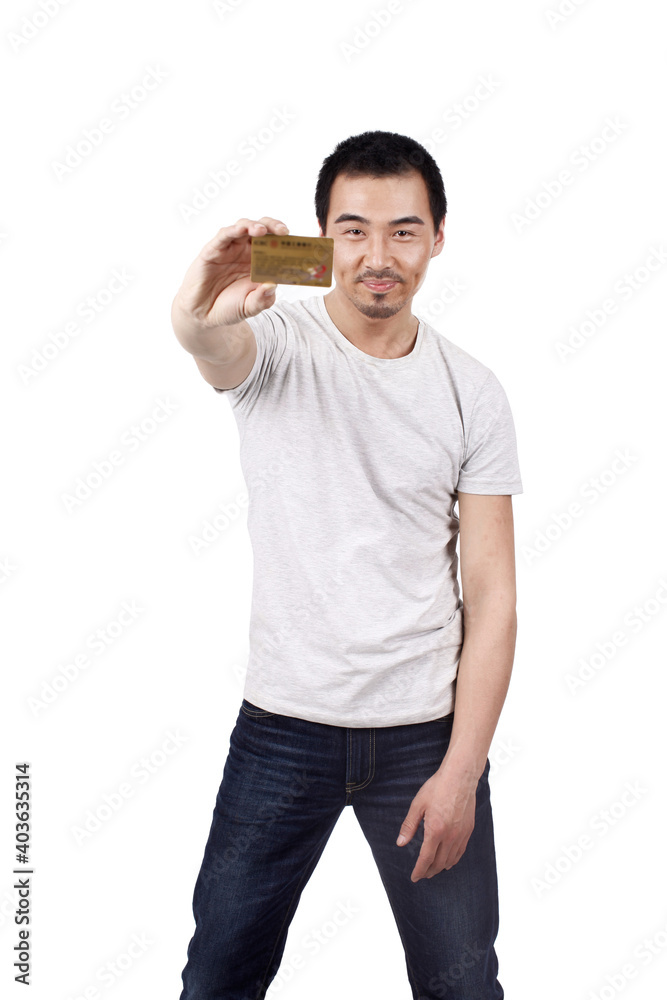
(379, 286)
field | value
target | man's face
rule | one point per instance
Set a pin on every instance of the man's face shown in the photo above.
(383, 235)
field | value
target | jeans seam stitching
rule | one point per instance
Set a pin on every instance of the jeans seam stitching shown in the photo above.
(349, 786)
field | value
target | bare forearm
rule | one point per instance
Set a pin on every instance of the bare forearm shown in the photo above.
(217, 345)
(482, 681)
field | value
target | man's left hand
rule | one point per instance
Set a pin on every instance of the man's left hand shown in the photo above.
(447, 806)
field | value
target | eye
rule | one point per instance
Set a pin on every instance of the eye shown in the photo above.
(405, 231)
(353, 230)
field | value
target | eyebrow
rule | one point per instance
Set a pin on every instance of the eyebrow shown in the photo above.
(412, 219)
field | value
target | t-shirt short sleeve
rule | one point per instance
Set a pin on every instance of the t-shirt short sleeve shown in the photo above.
(490, 459)
(271, 335)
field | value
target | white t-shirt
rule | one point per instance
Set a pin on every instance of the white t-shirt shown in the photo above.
(352, 465)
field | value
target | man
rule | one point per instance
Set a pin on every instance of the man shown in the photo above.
(360, 428)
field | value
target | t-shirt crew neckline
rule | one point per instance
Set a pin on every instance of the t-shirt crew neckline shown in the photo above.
(355, 352)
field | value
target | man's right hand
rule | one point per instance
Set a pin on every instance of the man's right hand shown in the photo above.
(217, 291)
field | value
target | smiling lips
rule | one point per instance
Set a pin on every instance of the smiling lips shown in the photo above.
(379, 286)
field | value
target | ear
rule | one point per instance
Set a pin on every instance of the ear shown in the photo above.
(439, 239)
(320, 229)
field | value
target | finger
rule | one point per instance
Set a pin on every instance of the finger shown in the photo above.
(410, 823)
(453, 855)
(424, 862)
(432, 856)
(444, 860)
(259, 298)
(441, 862)
(242, 229)
(408, 830)
(457, 852)
(273, 225)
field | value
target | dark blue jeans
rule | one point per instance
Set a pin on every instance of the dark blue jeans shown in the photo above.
(284, 785)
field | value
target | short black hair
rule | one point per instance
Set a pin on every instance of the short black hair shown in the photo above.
(379, 154)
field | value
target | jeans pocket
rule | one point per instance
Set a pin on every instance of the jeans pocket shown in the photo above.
(253, 711)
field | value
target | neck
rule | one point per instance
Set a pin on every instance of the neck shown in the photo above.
(381, 337)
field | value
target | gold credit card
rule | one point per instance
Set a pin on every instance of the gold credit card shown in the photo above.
(292, 260)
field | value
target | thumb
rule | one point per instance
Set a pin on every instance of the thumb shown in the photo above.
(266, 291)
(260, 298)
(408, 827)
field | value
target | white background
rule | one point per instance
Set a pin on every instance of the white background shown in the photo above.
(562, 756)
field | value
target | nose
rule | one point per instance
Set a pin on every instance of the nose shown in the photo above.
(378, 254)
